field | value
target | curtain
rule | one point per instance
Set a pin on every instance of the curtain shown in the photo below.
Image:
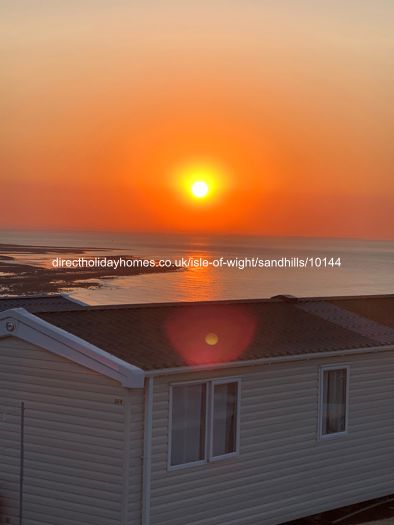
(224, 418)
(188, 423)
(334, 401)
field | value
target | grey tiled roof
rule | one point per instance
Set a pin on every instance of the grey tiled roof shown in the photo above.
(172, 335)
(39, 303)
(379, 308)
(357, 323)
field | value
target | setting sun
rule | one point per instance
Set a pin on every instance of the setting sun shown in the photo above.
(200, 189)
(204, 181)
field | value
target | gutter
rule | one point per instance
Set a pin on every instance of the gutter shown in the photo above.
(267, 361)
(147, 452)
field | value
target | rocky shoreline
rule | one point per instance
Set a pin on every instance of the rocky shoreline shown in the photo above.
(18, 278)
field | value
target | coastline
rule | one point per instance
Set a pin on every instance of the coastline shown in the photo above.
(19, 278)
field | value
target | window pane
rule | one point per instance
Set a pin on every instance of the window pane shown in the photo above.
(188, 423)
(334, 401)
(225, 419)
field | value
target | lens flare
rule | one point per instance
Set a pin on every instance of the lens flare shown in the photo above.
(211, 339)
(210, 334)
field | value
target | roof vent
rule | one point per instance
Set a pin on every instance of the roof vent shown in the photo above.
(287, 298)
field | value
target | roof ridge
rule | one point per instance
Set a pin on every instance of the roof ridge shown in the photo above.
(274, 299)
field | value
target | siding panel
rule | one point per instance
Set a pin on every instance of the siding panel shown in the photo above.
(283, 471)
(74, 439)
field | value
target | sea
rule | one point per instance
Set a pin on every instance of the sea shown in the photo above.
(335, 267)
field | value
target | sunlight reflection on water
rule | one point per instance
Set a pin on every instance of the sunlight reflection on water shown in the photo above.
(355, 277)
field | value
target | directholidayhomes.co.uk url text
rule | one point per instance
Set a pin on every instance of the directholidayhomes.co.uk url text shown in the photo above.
(240, 263)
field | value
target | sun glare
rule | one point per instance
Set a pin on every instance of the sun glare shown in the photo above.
(202, 181)
(200, 189)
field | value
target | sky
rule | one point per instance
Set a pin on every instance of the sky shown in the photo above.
(109, 108)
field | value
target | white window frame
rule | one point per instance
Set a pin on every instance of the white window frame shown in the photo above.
(208, 457)
(342, 433)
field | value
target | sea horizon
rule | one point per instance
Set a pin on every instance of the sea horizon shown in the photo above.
(11, 235)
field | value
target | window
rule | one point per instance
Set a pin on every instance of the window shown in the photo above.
(193, 405)
(188, 423)
(333, 404)
(224, 424)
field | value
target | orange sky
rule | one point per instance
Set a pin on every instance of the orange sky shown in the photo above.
(104, 102)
